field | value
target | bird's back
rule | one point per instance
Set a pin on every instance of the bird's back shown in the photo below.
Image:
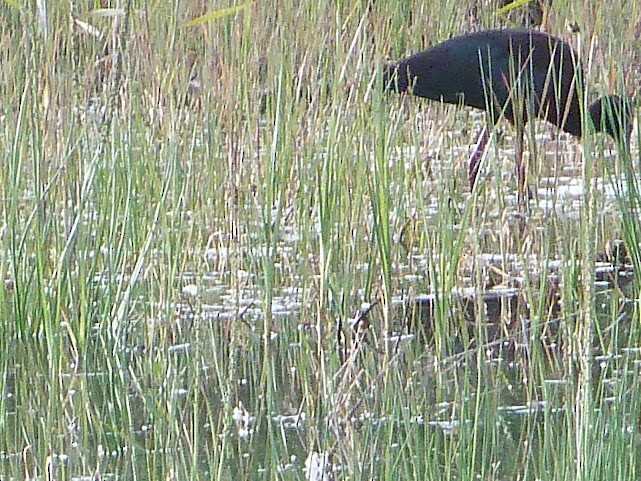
(489, 70)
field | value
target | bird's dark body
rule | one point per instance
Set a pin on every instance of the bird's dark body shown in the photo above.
(515, 73)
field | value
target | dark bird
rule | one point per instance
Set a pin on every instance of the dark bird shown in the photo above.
(517, 74)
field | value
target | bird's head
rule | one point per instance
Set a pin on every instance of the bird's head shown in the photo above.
(613, 115)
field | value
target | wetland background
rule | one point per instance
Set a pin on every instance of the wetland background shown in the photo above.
(226, 254)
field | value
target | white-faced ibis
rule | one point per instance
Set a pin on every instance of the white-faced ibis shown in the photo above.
(519, 74)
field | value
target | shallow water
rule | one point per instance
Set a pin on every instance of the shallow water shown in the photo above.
(497, 329)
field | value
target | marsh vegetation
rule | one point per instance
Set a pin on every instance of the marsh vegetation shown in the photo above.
(228, 254)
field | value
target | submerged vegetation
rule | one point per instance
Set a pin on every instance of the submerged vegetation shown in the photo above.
(227, 254)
